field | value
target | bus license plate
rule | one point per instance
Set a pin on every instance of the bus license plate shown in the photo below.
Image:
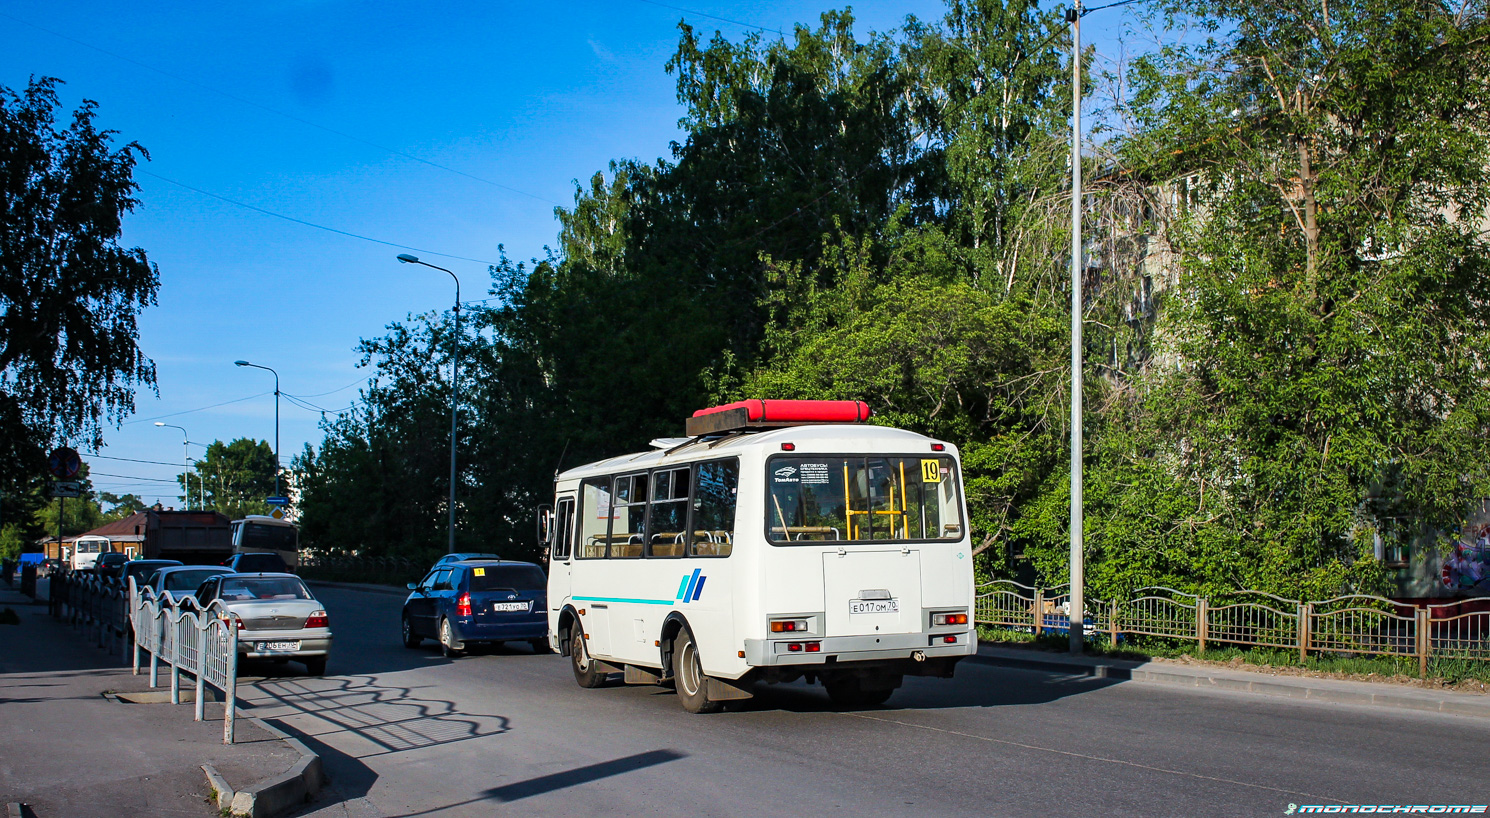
(862, 606)
(507, 607)
(274, 647)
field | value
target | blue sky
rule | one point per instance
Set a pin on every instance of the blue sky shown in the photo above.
(526, 97)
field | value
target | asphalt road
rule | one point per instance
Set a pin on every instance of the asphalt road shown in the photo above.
(408, 732)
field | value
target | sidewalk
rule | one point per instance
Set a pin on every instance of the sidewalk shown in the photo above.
(69, 751)
(1333, 691)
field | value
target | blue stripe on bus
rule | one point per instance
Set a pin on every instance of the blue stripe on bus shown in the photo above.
(682, 587)
(698, 589)
(693, 580)
(624, 599)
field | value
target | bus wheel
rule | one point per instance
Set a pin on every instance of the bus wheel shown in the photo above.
(411, 639)
(689, 678)
(849, 691)
(585, 672)
(448, 644)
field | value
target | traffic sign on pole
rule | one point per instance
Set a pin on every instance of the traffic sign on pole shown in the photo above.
(277, 501)
(64, 463)
(67, 489)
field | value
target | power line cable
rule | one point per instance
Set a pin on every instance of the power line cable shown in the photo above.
(332, 392)
(190, 411)
(133, 460)
(134, 477)
(258, 209)
(713, 17)
(288, 116)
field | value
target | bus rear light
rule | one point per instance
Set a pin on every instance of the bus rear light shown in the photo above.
(951, 640)
(788, 447)
(463, 605)
(317, 619)
(788, 625)
(814, 647)
(938, 447)
(940, 619)
(794, 647)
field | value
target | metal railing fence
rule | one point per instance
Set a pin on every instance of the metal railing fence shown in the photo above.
(1355, 624)
(125, 618)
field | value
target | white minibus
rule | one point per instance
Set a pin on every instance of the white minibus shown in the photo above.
(85, 551)
(262, 534)
(781, 540)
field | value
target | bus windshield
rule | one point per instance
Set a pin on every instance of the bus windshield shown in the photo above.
(272, 537)
(863, 499)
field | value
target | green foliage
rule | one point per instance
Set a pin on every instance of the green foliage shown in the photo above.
(69, 293)
(12, 541)
(121, 506)
(236, 477)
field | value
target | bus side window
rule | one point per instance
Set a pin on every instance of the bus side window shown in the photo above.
(595, 512)
(627, 530)
(563, 527)
(668, 517)
(715, 490)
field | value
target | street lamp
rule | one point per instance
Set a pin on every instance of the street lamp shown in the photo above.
(454, 384)
(276, 419)
(186, 453)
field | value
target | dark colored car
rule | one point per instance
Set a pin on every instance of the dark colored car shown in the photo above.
(142, 569)
(257, 563)
(462, 556)
(109, 565)
(478, 601)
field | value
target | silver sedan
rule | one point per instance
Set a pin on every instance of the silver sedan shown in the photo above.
(277, 617)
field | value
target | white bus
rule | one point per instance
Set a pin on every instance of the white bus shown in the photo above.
(85, 551)
(262, 534)
(777, 543)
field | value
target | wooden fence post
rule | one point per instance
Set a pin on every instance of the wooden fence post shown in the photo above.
(1425, 640)
(1306, 612)
(1112, 629)
(1202, 628)
(1039, 611)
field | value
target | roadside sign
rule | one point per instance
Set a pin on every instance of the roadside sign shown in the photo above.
(67, 489)
(278, 513)
(64, 463)
(277, 501)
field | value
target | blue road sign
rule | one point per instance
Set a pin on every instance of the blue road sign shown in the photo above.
(277, 501)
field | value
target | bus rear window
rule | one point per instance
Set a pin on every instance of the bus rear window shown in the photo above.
(863, 499)
(272, 537)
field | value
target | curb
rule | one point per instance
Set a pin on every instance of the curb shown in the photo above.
(1456, 704)
(273, 796)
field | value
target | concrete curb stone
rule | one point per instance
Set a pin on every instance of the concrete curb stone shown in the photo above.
(276, 795)
(1331, 691)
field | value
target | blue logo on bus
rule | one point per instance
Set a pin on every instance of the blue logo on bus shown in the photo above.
(691, 587)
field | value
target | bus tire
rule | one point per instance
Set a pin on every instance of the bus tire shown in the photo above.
(849, 692)
(449, 645)
(688, 676)
(585, 672)
(411, 639)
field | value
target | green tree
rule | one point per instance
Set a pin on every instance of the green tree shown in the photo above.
(121, 506)
(1324, 363)
(69, 292)
(237, 477)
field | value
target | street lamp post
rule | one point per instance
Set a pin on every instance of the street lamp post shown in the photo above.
(186, 455)
(1077, 617)
(454, 385)
(276, 419)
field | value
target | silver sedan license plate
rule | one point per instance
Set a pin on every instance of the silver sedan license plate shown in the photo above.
(508, 607)
(274, 647)
(863, 606)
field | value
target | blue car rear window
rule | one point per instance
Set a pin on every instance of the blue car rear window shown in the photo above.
(505, 577)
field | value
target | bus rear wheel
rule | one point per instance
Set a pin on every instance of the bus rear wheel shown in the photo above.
(585, 672)
(850, 692)
(688, 676)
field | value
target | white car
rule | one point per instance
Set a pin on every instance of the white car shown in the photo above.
(180, 582)
(277, 617)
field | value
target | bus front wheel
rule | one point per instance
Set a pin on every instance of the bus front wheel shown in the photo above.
(688, 676)
(585, 672)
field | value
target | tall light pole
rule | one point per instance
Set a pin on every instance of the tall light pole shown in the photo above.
(276, 419)
(454, 384)
(186, 454)
(1078, 567)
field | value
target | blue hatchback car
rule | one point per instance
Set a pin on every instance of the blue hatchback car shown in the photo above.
(478, 601)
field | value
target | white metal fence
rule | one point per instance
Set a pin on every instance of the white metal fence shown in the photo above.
(202, 643)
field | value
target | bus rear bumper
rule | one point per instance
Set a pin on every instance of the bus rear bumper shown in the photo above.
(857, 649)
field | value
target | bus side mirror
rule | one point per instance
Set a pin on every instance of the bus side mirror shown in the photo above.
(545, 524)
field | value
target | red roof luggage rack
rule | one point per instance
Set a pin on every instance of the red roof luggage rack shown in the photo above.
(774, 414)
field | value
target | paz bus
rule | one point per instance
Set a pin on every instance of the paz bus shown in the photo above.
(258, 534)
(780, 540)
